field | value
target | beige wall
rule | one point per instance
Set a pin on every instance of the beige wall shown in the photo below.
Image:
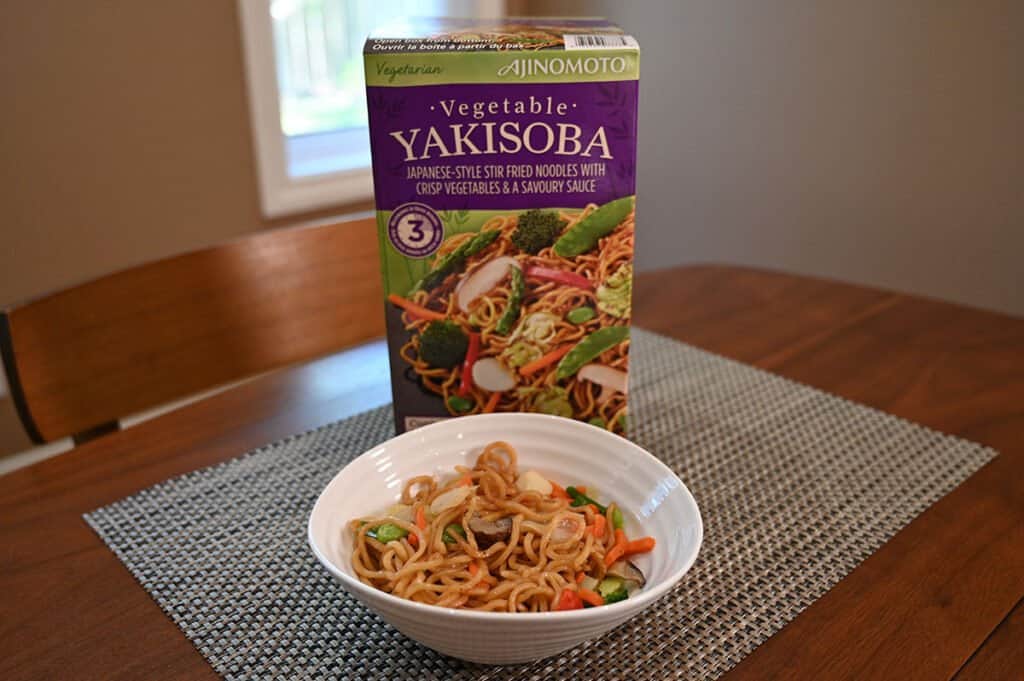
(126, 137)
(867, 140)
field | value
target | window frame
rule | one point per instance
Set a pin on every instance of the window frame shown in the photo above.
(281, 193)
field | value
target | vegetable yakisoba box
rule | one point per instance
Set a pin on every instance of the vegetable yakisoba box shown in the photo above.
(504, 159)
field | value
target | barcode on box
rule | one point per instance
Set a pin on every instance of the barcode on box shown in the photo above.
(606, 41)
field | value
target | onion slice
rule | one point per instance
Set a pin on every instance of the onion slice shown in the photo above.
(566, 529)
(532, 481)
(483, 280)
(610, 379)
(491, 375)
(450, 499)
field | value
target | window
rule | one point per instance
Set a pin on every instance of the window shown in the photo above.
(307, 100)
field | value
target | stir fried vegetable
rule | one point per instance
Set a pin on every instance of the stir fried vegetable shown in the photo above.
(450, 531)
(456, 259)
(580, 315)
(413, 309)
(585, 234)
(460, 404)
(615, 294)
(472, 352)
(515, 301)
(536, 230)
(590, 348)
(581, 499)
(443, 345)
(388, 532)
(559, 277)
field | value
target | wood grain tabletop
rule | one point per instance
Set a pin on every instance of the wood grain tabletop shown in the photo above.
(941, 600)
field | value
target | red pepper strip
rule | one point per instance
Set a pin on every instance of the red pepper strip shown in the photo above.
(472, 353)
(570, 600)
(559, 276)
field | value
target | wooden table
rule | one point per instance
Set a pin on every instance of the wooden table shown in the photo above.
(941, 600)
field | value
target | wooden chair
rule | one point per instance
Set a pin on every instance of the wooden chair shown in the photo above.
(79, 360)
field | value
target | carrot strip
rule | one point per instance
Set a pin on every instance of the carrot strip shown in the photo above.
(474, 568)
(414, 309)
(570, 600)
(557, 491)
(466, 481)
(547, 360)
(642, 545)
(581, 489)
(492, 403)
(599, 526)
(591, 597)
(414, 540)
(421, 518)
(616, 552)
(580, 576)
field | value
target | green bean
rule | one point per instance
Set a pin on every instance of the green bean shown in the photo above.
(515, 301)
(454, 260)
(580, 315)
(590, 348)
(585, 234)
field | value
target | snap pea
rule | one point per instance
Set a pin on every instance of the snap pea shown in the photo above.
(454, 260)
(581, 499)
(580, 315)
(515, 301)
(460, 404)
(585, 234)
(590, 348)
(389, 532)
(617, 519)
(450, 531)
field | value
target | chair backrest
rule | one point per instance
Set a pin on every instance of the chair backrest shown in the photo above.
(80, 359)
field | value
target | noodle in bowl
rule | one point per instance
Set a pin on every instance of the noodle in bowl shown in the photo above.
(653, 500)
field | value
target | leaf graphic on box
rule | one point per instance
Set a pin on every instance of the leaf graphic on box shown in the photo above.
(619, 131)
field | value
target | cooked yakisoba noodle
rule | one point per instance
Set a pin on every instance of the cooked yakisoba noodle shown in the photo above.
(491, 538)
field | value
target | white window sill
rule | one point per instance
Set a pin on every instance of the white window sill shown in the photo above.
(302, 173)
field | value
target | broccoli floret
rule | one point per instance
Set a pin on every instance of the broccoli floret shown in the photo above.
(443, 345)
(537, 229)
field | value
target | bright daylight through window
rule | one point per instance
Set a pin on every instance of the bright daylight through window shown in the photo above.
(307, 95)
(318, 58)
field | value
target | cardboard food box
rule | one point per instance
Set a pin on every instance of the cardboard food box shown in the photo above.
(504, 159)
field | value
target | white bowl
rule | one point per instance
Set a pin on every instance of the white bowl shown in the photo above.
(654, 501)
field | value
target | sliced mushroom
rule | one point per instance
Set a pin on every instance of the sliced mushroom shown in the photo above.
(627, 572)
(490, 374)
(483, 280)
(610, 379)
(489, 532)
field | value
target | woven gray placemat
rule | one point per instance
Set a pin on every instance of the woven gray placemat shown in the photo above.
(796, 488)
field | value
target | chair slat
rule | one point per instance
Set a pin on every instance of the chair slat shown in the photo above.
(120, 344)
